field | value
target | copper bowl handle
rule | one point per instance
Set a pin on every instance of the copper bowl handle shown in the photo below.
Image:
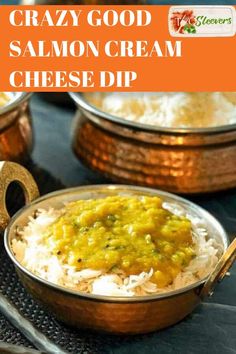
(13, 172)
(222, 267)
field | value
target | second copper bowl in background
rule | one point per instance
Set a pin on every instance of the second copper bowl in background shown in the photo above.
(176, 160)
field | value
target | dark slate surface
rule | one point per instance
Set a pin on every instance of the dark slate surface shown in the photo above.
(212, 327)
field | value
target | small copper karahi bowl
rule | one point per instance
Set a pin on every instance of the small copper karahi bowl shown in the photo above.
(177, 160)
(16, 134)
(129, 315)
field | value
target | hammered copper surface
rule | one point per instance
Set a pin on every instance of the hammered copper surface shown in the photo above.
(128, 318)
(16, 136)
(182, 163)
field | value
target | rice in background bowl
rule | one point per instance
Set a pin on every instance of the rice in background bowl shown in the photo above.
(169, 109)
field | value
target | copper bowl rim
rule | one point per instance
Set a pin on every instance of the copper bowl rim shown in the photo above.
(19, 98)
(82, 103)
(105, 298)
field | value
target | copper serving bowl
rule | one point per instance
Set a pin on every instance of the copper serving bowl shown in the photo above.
(176, 160)
(138, 314)
(16, 136)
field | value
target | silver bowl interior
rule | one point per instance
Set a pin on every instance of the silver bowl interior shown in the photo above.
(79, 99)
(59, 198)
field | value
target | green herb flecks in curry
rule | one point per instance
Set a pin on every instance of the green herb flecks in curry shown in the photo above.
(127, 233)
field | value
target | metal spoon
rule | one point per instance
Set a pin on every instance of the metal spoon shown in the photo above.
(38, 339)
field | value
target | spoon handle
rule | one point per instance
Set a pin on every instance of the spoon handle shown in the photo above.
(38, 339)
(6, 348)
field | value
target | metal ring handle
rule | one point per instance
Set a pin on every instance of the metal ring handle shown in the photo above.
(13, 172)
(225, 262)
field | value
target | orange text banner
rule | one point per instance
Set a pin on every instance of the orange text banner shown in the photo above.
(114, 48)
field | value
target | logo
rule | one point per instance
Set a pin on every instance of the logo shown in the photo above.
(202, 21)
(183, 22)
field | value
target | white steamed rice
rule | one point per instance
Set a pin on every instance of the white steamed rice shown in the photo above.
(169, 109)
(32, 253)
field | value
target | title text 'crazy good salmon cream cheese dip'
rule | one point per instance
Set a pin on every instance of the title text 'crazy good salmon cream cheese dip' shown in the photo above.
(169, 109)
(118, 246)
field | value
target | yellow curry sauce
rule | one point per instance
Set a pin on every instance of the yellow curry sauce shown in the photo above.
(125, 233)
